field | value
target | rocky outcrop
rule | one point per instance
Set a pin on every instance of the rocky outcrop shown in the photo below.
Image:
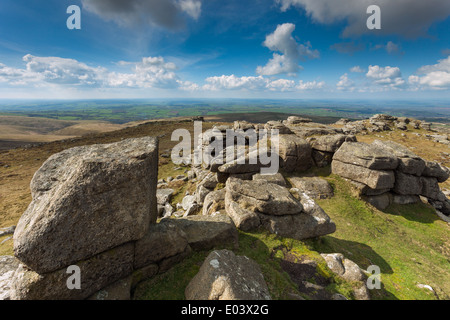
(87, 200)
(314, 187)
(386, 172)
(225, 276)
(295, 153)
(8, 266)
(251, 204)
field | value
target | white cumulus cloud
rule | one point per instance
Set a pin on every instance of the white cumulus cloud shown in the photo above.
(435, 76)
(281, 40)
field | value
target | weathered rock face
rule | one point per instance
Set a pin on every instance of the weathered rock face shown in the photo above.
(87, 200)
(162, 241)
(264, 197)
(409, 163)
(313, 222)
(163, 196)
(330, 143)
(435, 170)
(314, 187)
(374, 179)
(295, 153)
(207, 232)
(8, 266)
(225, 276)
(407, 184)
(276, 178)
(96, 272)
(366, 155)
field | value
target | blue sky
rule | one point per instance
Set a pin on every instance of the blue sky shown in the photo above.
(225, 48)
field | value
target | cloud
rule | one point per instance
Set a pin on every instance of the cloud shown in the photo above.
(162, 13)
(150, 72)
(356, 69)
(281, 40)
(347, 47)
(387, 77)
(409, 18)
(390, 47)
(435, 76)
(259, 83)
(344, 83)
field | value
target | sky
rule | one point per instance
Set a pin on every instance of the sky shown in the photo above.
(296, 49)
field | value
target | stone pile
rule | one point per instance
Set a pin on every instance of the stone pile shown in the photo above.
(386, 172)
(95, 208)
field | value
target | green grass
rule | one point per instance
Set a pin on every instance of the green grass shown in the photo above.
(408, 242)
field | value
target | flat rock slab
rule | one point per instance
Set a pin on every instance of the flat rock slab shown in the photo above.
(374, 179)
(96, 273)
(259, 195)
(276, 178)
(330, 143)
(316, 188)
(409, 162)
(87, 200)
(365, 155)
(207, 232)
(225, 276)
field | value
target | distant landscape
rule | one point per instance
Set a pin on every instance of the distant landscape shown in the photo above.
(123, 111)
(27, 122)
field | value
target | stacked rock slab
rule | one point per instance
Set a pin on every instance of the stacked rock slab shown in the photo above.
(259, 203)
(386, 172)
(324, 147)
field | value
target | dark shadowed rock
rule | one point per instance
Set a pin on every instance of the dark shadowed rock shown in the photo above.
(362, 189)
(162, 241)
(381, 201)
(321, 159)
(225, 276)
(87, 200)
(207, 232)
(436, 170)
(407, 184)
(430, 188)
(96, 273)
(119, 290)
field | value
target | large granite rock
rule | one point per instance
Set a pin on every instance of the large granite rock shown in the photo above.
(295, 153)
(96, 273)
(366, 155)
(436, 170)
(276, 178)
(264, 197)
(312, 223)
(207, 232)
(330, 143)
(315, 187)
(162, 241)
(87, 200)
(409, 162)
(374, 179)
(225, 276)
(407, 184)
(214, 202)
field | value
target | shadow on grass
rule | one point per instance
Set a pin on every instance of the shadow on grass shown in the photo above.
(362, 254)
(419, 212)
